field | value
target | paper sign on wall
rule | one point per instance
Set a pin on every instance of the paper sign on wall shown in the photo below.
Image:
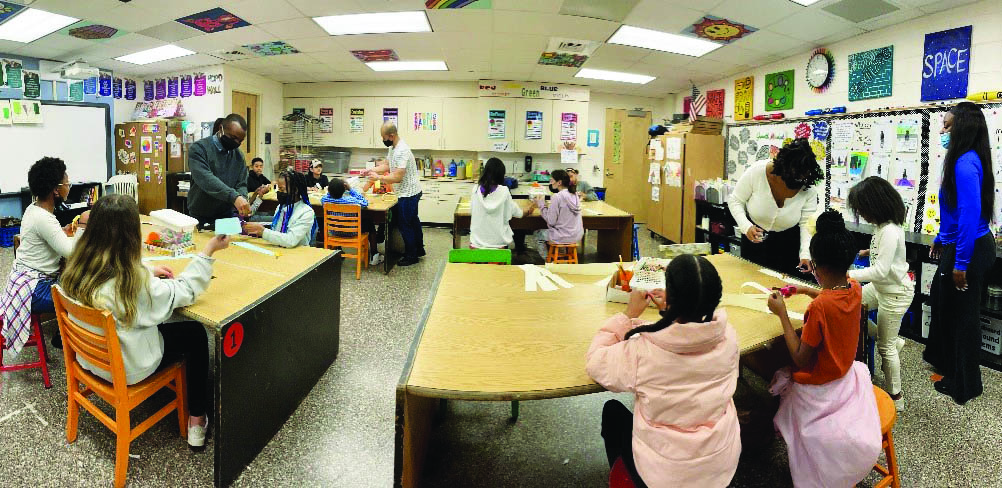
(32, 88)
(6, 118)
(501, 147)
(946, 64)
(76, 91)
(104, 83)
(568, 156)
(568, 127)
(743, 98)
(592, 138)
(654, 174)
(673, 174)
(356, 121)
(13, 69)
(390, 116)
(533, 124)
(655, 193)
(673, 148)
(496, 124)
(425, 121)
(146, 144)
(327, 120)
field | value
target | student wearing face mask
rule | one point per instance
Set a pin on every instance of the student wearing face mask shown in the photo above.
(295, 223)
(400, 169)
(772, 203)
(219, 173)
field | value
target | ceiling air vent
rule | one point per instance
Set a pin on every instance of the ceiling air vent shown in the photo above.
(857, 11)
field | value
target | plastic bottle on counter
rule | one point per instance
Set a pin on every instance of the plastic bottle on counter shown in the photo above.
(461, 170)
(452, 168)
(469, 170)
(439, 169)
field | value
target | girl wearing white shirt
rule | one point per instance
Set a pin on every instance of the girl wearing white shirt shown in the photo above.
(491, 207)
(890, 289)
(295, 223)
(772, 203)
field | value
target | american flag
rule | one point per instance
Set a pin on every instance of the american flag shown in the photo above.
(698, 103)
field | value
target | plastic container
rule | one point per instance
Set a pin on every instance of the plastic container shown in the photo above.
(994, 302)
(439, 168)
(452, 168)
(461, 170)
(7, 235)
(469, 169)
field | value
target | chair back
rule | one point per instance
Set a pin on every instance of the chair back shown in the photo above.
(342, 223)
(480, 256)
(102, 351)
(127, 184)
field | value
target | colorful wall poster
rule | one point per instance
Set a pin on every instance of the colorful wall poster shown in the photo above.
(592, 137)
(368, 56)
(568, 127)
(104, 83)
(857, 163)
(326, 120)
(173, 87)
(425, 121)
(871, 74)
(146, 145)
(76, 91)
(161, 88)
(715, 104)
(569, 53)
(186, 86)
(946, 64)
(390, 116)
(200, 84)
(673, 174)
(779, 90)
(908, 135)
(8, 10)
(149, 92)
(469, 4)
(533, 124)
(90, 86)
(496, 124)
(617, 142)
(356, 121)
(719, 29)
(214, 84)
(274, 48)
(92, 32)
(130, 89)
(12, 68)
(19, 114)
(32, 87)
(213, 20)
(744, 93)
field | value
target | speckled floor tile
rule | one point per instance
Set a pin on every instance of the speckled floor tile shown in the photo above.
(342, 434)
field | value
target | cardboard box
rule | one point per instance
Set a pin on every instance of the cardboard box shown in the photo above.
(991, 335)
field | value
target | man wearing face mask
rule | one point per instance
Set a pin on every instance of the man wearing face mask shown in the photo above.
(219, 173)
(400, 170)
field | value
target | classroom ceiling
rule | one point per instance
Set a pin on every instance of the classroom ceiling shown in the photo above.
(504, 42)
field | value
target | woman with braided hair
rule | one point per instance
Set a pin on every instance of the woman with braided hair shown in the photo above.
(683, 370)
(294, 224)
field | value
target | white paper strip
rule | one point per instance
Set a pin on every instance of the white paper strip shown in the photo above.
(530, 277)
(556, 279)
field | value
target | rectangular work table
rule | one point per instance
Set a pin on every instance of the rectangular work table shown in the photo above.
(511, 344)
(271, 345)
(614, 226)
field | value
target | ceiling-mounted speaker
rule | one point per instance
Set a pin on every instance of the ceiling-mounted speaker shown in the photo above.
(857, 11)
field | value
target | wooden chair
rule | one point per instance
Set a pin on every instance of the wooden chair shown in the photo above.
(888, 415)
(36, 340)
(103, 351)
(562, 253)
(343, 228)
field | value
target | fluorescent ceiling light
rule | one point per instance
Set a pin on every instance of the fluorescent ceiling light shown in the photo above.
(33, 24)
(161, 53)
(662, 41)
(408, 66)
(598, 74)
(805, 2)
(381, 23)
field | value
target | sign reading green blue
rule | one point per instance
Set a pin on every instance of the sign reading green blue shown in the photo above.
(946, 64)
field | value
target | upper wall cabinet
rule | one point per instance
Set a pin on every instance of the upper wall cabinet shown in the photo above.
(423, 124)
(568, 122)
(356, 122)
(461, 133)
(495, 122)
(385, 109)
(531, 124)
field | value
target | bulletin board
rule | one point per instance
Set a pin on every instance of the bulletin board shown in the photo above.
(851, 147)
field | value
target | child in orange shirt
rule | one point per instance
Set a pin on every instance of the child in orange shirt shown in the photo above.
(827, 412)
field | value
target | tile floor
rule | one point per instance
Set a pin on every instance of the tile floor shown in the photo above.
(342, 434)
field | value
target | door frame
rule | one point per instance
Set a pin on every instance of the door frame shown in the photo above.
(251, 140)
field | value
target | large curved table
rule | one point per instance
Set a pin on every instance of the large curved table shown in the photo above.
(485, 338)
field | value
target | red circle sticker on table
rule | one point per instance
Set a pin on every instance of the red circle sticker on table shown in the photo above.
(233, 339)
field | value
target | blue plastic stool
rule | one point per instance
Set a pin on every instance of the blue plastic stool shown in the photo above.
(636, 244)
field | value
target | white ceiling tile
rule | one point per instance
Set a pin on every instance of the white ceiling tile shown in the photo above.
(811, 25)
(666, 60)
(940, 5)
(581, 28)
(614, 52)
(129, 17)
(253, 63)
(39, 52)
(317, 44)
(61, 43)
(758, 14)
(610, 65)
(171, 32)
(548, 6)
(174, 9)
(227, 39)
(483, 40)
(511, 75)
(389, 5)
(890, 19)
(133, 42)
(291, 29)
(299, 59)
(74, 8)
(841, 36)
(261, 11)
(654, 14)
(768, 42)
(461, 20)
(197, 60)
(320, 8)
(520, 22)
(532, 43)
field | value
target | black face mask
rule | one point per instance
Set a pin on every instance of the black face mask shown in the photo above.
(554, 190)
(283, 198)
(387, 143)
(228, 143)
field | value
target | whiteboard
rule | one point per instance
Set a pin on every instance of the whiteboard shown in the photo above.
(76, 133)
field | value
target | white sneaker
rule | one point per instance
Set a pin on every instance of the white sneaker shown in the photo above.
(376, 259)
(196, 434)
(899, 404)
(899, 343)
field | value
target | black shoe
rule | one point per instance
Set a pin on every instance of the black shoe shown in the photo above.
(421, 253)
(407, 261)
(57, 341)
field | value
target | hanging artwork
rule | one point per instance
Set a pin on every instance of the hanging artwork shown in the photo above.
(116, 88)
(199, 84)
(104, 83)
(908, 135)
(802, 131)
(744, 93)
(146, 144)
(569, 53)
(275, 48)
(186, 86)
(161, 87)
(425, 121)
(32, 87)
(13, 69)
(148, 90)
(214, 85)
(130, 89)
(92, 32)
(715, 104)
(718, 29)
(213, 20)
(857, 163)
(871, 74)
(946, 64)
(368, 56)
(820, 129)
(8, 10)
(469, 4)
(90, 86)
(779, 90)
(76, 93)
(390, 116)
(172, 87)
(617, 142)
(820, 70)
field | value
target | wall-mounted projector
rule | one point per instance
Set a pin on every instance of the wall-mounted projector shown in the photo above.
(77, 70)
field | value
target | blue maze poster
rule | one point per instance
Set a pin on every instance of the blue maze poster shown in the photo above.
(946, 64)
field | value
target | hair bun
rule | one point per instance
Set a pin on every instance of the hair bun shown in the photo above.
(830, 221)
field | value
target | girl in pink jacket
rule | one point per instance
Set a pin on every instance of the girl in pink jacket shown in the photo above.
(683, 370)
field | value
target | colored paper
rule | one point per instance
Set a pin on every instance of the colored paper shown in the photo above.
(161, 89)
(617, 142)
(148, 90)
(213, 20)
(743, 98)
(274, 48)
(104, 84)
(946, 64)
(533, 124)
(425, 121)
(367, 56)
(146, 145)
(390, 116)
(568, 127)
(228, 227)
(130, 89)
(857, 163)
(871, 74)
(186, 86)
(356, 121)
(90, 86)
(76, 91)
(172, 87)
(6, 117)
(13, 69)
(779, 90)
(715, 104)
(496, 124)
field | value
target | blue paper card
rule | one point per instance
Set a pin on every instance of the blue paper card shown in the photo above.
(229, 227)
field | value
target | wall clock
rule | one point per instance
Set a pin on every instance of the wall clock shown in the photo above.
(820, 70)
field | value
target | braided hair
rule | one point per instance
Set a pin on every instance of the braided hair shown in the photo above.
(693, 288)
(832, 246)
(295, 187)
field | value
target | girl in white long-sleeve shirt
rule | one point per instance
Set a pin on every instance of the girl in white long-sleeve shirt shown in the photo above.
(890, 289)
(295, 223)
(106, 272)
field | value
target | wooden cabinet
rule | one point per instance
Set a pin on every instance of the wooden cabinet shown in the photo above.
(358, 135)
(438, 203)
(495, 104)
(574, 110)
(701, 158)
(422, 126)
(460, 133)
(519, 125)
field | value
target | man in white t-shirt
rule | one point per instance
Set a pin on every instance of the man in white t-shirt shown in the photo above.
(400, 170)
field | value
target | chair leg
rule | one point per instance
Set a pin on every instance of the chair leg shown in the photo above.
(182, 401)
(73, 408)
(892, 461)
(358, 265)
(121, 446)
(514, 410)
(41, 352)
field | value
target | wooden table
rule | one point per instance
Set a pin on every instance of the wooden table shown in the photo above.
(378, 211)
(275, 325)
(614, 226)
(510, 344)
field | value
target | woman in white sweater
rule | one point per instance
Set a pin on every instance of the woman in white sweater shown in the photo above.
(491, 207)
(106, 272)
(890, 290)
(295, 223)
(772, 203)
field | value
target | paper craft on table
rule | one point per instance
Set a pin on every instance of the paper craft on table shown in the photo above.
(228, 227)
(252, 247)
(534, 280)
(756, 300)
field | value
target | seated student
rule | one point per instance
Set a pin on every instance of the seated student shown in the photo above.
(584, 189)
(258, 185)
(827, 412)
(106, 272)
(683, 370)
(562, 215)
(491, 207)
(339, 191)
(315, 179)
(294, 224)
(43, 244)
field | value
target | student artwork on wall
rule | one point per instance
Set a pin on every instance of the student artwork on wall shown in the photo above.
(946, 64)
(214, 84)
(92, 32)
(718, 29)
(569, 53)
(744, 94)
(568, 127)
(6, 117)
(130, 89)
(871, 74)
(8, 9)
(12, 69)
(425, 121)
(275, 48)
(715, 104)
(779, 90)
(148, 90)
(213, 20)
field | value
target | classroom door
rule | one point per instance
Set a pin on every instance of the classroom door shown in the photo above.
(245, 104)
(625, 159)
